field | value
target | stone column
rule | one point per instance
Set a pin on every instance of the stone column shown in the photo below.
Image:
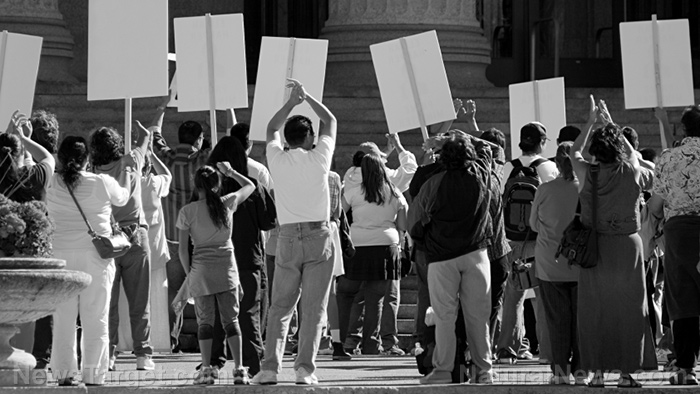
(42, 18)
(353, 25)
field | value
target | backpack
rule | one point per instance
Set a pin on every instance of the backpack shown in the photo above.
(519, 193)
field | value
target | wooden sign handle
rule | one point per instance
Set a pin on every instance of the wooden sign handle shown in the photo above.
(212, 81)
(127, 125)
(414, 89)
(3, 51)
(536, 91)
(290, 66)
(657, 69)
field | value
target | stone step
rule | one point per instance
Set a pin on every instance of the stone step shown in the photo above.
(409, 297)
(405, 326)
(407, 311)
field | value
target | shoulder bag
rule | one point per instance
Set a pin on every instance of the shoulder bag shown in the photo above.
(579, 243)
(115, 245)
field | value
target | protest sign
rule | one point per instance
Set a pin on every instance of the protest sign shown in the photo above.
(412, 82)
(537, 101)
(19, 64)
(282, 58)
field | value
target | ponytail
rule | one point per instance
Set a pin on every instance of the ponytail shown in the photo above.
(72, 154)
(207, 179)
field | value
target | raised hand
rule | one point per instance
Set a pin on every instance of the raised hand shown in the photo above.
(470, 109)
(298, 94)
(224, 167)
(604, 113)
(592, 110)
(20, 124)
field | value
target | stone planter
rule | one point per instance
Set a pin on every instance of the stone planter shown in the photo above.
(30, 288)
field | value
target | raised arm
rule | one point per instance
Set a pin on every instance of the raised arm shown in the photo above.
(144, 137)
(329, 125)
(579, 164)
(230, 119)
(232, 200)
(160, 114)
(20, 124)
(296, 97)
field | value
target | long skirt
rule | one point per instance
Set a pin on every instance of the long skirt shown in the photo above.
(613, 316)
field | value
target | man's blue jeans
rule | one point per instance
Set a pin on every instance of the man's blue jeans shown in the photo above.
(303, 265)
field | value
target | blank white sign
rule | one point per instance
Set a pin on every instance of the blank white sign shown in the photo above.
(282, 58)
(19, 65)
(230, 77)
(541, 101)
(393, 70)
(127, 49)
(675, 64)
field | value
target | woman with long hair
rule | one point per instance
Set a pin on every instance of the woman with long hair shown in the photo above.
(377, 231)
(211, 270)
(553, 209)
(253, 215)
(613, 326)
(95, 194)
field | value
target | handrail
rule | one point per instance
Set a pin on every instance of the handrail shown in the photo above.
(533, 49)
(598, 35)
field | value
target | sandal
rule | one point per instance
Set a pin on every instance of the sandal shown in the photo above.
(627, 382)
(684, 378)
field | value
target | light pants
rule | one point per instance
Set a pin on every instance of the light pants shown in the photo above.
(93, 306)
(466, 278)
(303, 266)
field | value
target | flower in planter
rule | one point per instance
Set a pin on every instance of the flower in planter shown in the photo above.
(25, 228)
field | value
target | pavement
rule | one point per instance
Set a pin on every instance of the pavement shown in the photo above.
(362, 375)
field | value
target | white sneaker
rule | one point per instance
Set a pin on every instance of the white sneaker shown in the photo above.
(305, 377)
(112, 361)
(144, 363)
(264, 377)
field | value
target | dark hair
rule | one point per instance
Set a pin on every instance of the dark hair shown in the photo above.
(528, 147)
(456, 151)
(357, 158)
(106, 146)
(189, 132)
(296, 128)
(631, 135)
(207, 179)
(10, 154)
(564, 161)
(691, 120)
(648, 154)
(568, 133)
(45, 130)
(230, 150)
(72, 154)
(241, 131)
(606, 144)
(375, 179)
(495, 136)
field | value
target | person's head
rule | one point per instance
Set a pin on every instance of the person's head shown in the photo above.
(207, 182)
(456, 152)
(691, 121)
(648, 154)
(533, 137)
(229, 149)
(73, 156)
(241, 131)
(191, 133)
(375, 180)
(568, 133)
(10, 160)
(45, 130)
(606, 144)
(566, 170)
(299, 132)
(495, 136)
(357, 158)
(631, 135)
(106, 146)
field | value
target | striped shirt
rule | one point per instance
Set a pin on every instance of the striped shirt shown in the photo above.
(182, 162)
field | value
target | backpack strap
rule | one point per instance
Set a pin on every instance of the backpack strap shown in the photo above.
(516, 164)
(537, 162)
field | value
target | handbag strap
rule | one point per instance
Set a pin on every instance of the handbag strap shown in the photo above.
(90, 230)
(594, 174)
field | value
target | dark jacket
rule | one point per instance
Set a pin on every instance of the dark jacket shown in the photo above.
(450, 215)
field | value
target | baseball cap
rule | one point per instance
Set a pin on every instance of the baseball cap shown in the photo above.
(533, 133)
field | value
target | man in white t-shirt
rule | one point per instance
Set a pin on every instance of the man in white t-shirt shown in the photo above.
(304, 258)
(533, 137)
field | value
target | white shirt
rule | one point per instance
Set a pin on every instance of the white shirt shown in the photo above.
(260, 173)
(373, 224)
(547, 171)
(301, 181)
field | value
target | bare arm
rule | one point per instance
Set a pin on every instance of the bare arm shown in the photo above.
(401, 220)
(295, 98)
(230, 118)
(144, 137)
(329, 125)
(247, 187)
(579, 164)
(183, 250)
(159, 167)
(20, 124)
(470, 111)
(160, 114)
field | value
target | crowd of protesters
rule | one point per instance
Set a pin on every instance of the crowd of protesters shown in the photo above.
(258, 247)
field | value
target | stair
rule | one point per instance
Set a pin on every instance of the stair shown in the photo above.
(407, 311)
